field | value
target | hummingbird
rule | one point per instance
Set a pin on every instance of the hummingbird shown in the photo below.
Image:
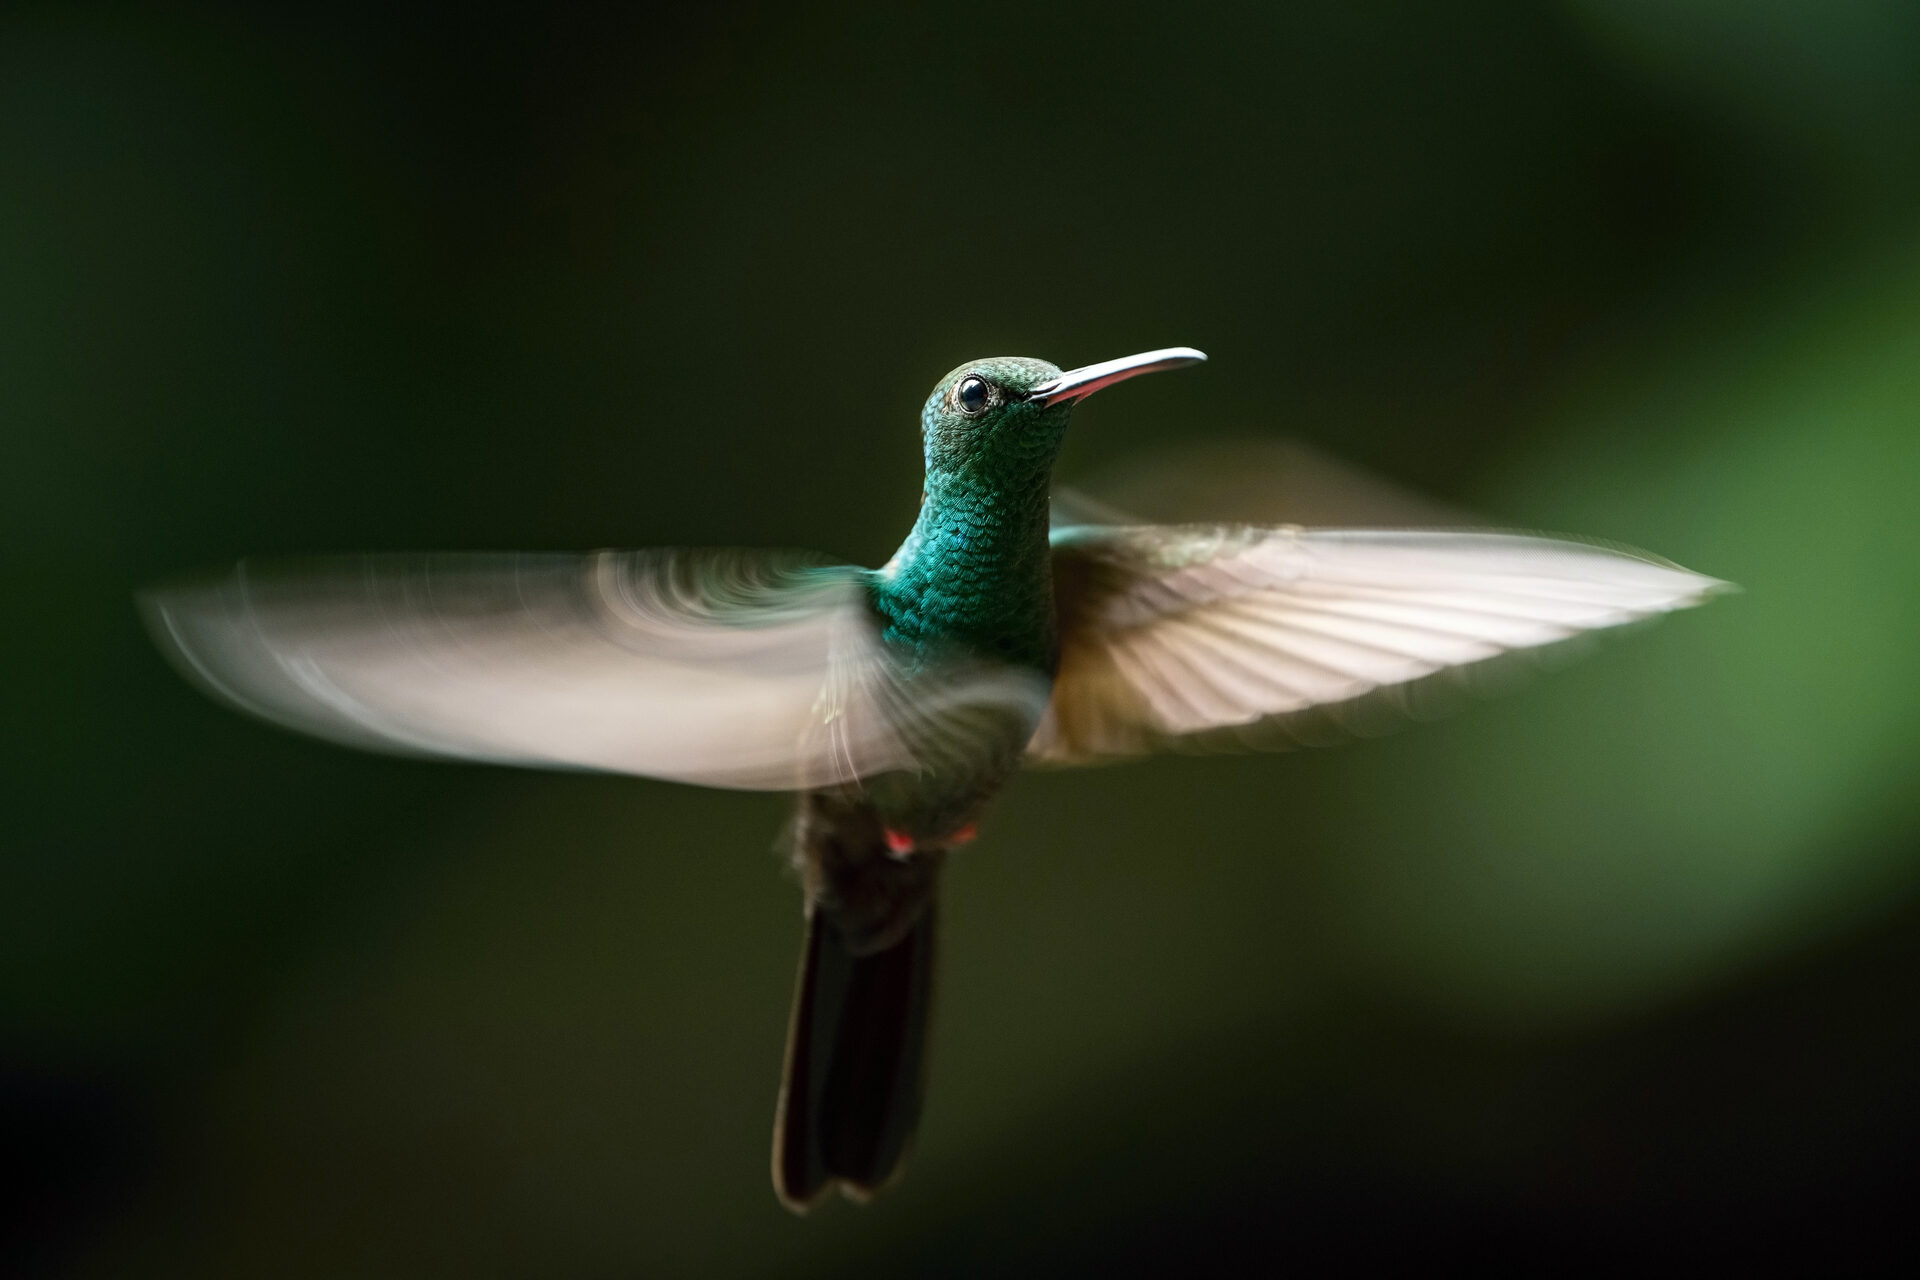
(893, 702)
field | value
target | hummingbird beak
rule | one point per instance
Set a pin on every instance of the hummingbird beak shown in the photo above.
(1076, 383)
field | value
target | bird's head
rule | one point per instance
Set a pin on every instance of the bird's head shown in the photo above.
(1001, 420)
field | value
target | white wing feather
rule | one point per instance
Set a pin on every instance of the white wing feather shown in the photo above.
(1171, 631)
(730, 669)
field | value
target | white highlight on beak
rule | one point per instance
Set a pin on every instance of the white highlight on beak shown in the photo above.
(1076, 383)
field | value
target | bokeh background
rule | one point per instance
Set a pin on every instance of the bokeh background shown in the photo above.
(1621, 965)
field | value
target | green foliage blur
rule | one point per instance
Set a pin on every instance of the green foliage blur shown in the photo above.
(1621, 963)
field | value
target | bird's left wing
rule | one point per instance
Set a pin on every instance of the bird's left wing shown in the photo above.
(1167, 632)
(727, 668)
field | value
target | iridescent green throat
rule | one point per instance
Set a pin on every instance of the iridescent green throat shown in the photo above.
(974, 572)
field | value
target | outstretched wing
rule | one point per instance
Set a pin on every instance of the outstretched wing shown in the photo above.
(1172, 631)
(728, 668)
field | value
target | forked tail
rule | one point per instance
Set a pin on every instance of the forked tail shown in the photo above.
(856, 1054)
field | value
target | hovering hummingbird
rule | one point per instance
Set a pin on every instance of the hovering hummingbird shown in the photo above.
(895, 701)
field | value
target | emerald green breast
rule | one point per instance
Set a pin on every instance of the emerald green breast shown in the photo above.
(973, 576)
(971, 582)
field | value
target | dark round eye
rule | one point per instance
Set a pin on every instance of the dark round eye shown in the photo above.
(972, 395)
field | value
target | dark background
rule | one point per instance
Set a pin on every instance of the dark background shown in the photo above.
(1621, 966)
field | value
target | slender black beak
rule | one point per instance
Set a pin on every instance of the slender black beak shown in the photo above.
(1075, 383)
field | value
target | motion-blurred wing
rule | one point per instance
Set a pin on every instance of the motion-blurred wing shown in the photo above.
(727, 668)
(1252, 480)
(1171, 631)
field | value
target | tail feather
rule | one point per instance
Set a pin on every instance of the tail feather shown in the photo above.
(855, 1063)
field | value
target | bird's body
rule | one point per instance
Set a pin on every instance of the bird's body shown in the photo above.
(895, 702)
(971, 584)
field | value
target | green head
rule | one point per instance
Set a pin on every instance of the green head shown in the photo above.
(1001, 420)
(974, 567)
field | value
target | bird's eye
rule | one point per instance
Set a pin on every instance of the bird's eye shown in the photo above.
(972, 395)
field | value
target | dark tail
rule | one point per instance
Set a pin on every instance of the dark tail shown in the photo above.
(855, 1062)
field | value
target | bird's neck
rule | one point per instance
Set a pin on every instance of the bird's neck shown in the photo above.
(975, 571)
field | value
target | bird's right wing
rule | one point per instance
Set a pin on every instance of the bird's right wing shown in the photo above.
(727, 668)
(1173, 631)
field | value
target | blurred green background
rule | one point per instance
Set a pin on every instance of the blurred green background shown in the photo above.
(1624, 963)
